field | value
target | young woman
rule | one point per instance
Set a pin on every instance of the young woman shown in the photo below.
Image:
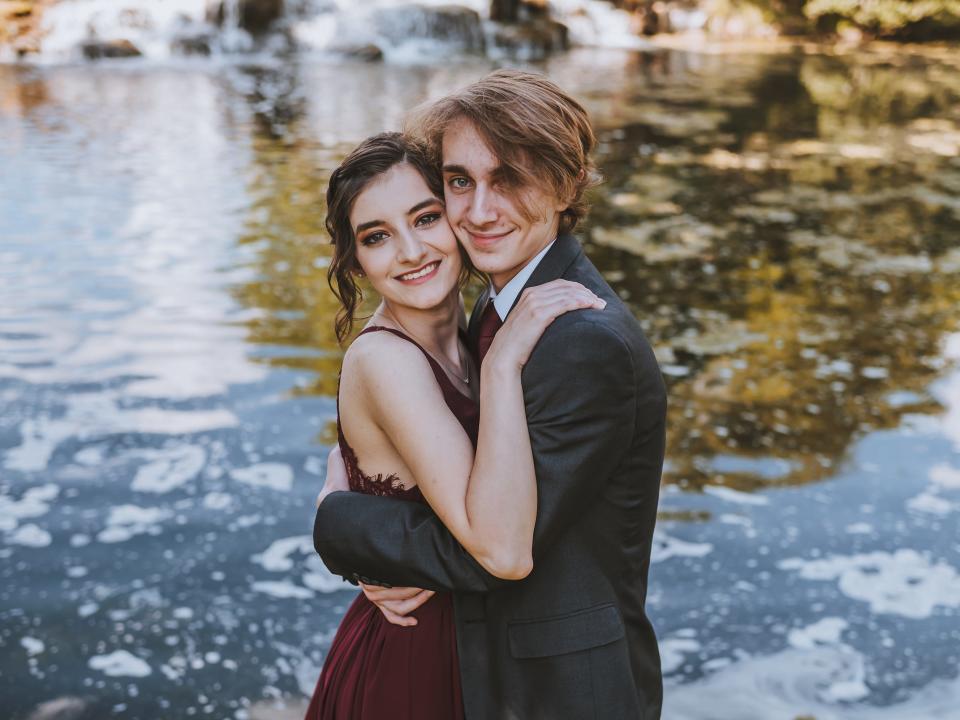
(410, 426)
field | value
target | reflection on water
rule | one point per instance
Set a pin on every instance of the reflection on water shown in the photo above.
(784, 226)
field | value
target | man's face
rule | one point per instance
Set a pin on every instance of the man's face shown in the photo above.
(485, 216)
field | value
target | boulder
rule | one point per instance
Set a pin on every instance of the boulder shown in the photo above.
(96, 49)
(454, 25)
(532, 40)
(368, 52)
(254, 16)
(192, 44)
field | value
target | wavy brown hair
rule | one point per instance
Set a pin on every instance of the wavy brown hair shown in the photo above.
(541, 135)
(365, 163)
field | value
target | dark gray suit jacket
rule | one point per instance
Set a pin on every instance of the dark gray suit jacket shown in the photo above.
(572, 640)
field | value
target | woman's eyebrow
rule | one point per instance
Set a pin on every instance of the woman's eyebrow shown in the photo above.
(421, 205)
(367, 225)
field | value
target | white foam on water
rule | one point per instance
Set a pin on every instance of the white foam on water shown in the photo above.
(87, 609)
(32, 645)
(860, 528)
(282, 589)
(730, 519)
(673, 651)
(945, 476)
(217, 500)
(930, 504)
(322, 580)
(90, 456)
(276, 476)
(735, 496)
(126, 521)
(666, 547)
(120, 663)
(30, 536)
(901, 583)
(822, 682)
(314, 465)
(826, 631)
(276, 558)
(169, 469)
(92, 415)
(34, 503)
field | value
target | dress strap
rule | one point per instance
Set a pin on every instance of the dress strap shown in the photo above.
(438, 370)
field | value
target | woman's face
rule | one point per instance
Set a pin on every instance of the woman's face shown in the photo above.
(404, 245)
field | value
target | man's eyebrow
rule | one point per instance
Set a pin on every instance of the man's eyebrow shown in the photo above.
(458, 169)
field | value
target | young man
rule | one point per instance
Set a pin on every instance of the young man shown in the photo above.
(572, 639)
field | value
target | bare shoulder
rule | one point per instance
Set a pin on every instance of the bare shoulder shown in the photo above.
(383, 361)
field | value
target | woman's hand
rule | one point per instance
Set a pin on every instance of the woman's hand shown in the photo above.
(397, 603)
(336, 475)
(537, 307)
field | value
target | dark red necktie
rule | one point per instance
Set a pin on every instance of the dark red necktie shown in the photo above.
(490, 322)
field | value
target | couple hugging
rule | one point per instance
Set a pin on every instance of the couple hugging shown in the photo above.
(503, 474)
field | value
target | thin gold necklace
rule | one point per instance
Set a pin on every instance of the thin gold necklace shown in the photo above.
(455, 371)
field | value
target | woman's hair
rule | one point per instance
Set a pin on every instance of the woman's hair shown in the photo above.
(541, 136)
(365, 163)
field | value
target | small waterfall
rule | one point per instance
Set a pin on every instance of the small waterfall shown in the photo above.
(395, 30)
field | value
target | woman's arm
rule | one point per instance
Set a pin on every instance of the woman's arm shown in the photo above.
(488, 502)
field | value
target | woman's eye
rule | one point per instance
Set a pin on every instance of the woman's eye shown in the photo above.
(427, 219)
(373, 238)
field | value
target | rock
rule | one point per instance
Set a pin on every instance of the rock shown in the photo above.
(96, 49)
(453, 25)
(15, 9)
(532, 40)
(254, 16)
(368, 52)
(192, 45)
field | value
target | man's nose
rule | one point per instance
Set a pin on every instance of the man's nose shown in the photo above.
(483, 208)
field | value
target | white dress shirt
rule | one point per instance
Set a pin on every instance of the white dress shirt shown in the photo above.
(504, 300)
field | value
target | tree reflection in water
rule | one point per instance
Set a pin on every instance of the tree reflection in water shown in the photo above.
(784, 228)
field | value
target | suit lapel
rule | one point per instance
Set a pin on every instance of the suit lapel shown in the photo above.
(565, 250)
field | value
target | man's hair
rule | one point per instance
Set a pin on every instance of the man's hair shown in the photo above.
(541, 136)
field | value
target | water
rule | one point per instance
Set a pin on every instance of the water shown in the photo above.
(784, 225)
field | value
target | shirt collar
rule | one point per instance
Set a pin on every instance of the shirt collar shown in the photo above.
(505, 299)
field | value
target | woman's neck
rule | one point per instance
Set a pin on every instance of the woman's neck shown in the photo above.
(436, 328)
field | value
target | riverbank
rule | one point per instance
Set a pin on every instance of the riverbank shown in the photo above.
(395, 30)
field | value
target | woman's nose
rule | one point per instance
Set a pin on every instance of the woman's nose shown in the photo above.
(411, 249)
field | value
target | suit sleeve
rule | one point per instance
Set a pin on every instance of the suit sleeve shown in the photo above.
(580, 390)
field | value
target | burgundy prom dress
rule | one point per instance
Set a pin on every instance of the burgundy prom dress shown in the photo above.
(376, 670)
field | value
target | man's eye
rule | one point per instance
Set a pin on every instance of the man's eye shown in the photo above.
(373, 238)
(459, 182)
(428, 219)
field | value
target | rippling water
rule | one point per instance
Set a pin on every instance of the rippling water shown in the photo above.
(785, 226)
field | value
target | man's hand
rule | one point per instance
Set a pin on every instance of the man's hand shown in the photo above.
(336, 475)
(397, 603)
